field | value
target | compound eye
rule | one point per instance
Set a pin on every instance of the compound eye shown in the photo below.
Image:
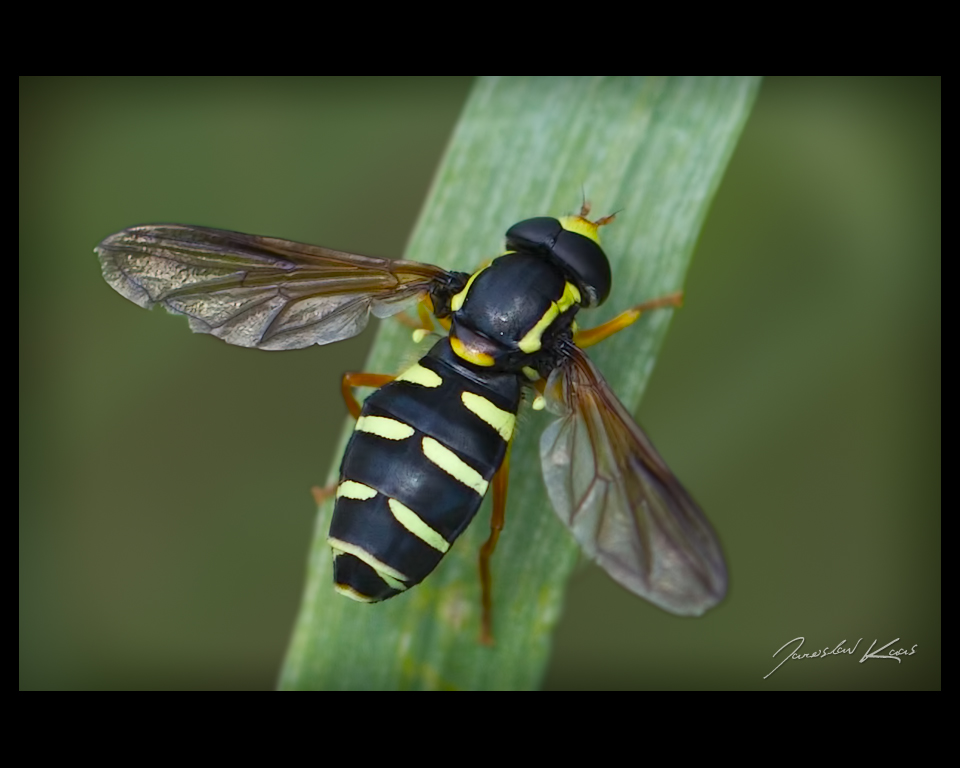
(538, 234)
(587, 262)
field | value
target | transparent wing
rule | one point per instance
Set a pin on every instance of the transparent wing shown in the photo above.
(257, 291)
(620, 500)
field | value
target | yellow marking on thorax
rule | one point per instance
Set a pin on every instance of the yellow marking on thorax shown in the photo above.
(530, 373)
(501, 420)
(457, 301)
(453, 465)
(415, 524)
(350, 489)
(571, 296)
(533, 339)
(382, 569)
(417, 374)
(469, 354)
(391, 429)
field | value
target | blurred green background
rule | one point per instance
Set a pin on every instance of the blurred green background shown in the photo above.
(164, 510)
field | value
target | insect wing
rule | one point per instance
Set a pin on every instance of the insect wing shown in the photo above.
(256, 291)
(620, 500)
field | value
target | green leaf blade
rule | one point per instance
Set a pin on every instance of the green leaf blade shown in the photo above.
(653, 148)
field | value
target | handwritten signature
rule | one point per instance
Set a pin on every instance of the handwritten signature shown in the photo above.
(839, 650)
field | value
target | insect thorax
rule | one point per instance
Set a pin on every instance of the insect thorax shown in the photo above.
(513, 314)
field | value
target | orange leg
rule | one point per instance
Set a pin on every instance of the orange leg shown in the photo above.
(322, 493)
(351, 380)
(425, 322)
(428, 321)
(591, 336)
(500, 481)
(347, 383)
(408, 321)
(425, 314)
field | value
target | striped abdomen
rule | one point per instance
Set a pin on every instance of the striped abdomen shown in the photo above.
(424, 450)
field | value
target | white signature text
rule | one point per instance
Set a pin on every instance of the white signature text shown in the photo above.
(839, 650)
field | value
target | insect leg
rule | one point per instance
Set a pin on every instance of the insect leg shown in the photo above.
(425, 322)
(321, 494)
(351, 380)
(591, 336)
(347, 383)
(500, 481)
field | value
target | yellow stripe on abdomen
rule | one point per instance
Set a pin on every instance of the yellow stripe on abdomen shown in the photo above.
(350, 489)
(391, 429)
(348, 591)
(453, 465)
(501, 420)
(415, 524)
(417, 374)
(392, 576)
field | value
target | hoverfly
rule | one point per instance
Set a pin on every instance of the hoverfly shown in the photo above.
(430, 441)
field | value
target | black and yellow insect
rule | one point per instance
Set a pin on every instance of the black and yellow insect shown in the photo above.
(431, 441)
